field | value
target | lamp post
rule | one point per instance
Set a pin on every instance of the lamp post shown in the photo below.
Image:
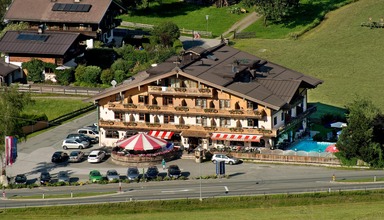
(201, 198)
(206, 18)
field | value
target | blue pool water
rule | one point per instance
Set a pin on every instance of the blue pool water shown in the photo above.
(309, 145)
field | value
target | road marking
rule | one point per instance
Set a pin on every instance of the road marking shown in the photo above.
(174, 191)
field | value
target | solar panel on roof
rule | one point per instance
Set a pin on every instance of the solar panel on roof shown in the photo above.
(67, 7)
(71, 7)
(34, 37)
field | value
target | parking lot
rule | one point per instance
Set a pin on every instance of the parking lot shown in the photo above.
(35, 154)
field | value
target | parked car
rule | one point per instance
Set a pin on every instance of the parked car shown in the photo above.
(152, 172)
(95, 176)
(174, 171)
(113, 175)
(82, 137)
(59, 156)
(96, 156)
(76, 156)
(94, 126)
(89, 132)
(133, 173)
(45, 178)
(226, 158)
(63, 176)
(21, 179)
(75, 143)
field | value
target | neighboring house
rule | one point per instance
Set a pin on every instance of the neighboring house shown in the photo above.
(92, 18)
(9, 73)
(216, 96)
(51, 47)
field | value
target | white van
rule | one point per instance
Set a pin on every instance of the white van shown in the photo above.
(89, 132)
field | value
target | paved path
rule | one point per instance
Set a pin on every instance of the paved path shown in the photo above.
(242, 24)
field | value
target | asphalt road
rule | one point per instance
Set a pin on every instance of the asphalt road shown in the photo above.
(244, 178)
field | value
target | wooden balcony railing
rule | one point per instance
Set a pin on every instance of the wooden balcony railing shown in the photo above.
(142, 126)
(162, 90)
(186, 110)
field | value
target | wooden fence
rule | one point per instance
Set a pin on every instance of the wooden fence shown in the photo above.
(65, 90)
(244, 35)
(182, 30)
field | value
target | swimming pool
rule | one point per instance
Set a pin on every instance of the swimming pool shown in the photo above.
(309, 145)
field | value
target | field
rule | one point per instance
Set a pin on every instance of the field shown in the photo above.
(54, 106)
(339, 51)
(343, 205)
(188, 16)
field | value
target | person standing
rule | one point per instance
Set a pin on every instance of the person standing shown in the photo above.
(163, 163)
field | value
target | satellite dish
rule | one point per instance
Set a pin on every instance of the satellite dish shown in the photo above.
(113, 83)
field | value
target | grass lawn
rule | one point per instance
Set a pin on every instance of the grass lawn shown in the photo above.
(343, 205)
(339, 51)
(188, 16)
(54, 107)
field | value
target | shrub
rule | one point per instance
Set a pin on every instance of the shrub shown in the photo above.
(35, 70)
(106, 76)
(65, 77)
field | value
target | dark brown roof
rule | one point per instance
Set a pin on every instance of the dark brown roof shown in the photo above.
(7, 68)
(55, 43)
(41, 11)
(273, 86)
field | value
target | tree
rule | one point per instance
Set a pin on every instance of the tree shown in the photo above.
(64, 77)
(166, 33)
(357, 139)
(106, 76)
(273, 9)
(35, 70)
(12, 104)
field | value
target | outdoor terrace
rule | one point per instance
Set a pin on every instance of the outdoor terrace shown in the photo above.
(186, 110)
(181, 127)
(161, 90)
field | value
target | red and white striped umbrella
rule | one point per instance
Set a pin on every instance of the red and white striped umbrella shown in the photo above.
(142, 142)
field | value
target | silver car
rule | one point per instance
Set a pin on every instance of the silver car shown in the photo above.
(113, 175)
(133, 173)
(75, 143)
(76, 156)
(63, 176)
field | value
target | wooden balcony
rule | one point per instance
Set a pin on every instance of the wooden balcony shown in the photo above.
(195, 92)
(185, 110)
(142, 126)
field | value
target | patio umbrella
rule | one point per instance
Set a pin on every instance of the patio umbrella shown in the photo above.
(331, 148)
(143, 142)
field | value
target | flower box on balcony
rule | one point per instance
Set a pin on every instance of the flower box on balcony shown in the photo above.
(204, 90)
(182, 108)
(236, 129)
(259, 112)
(130, 105)
(153, 107)
(210, 110)
(182, 126)
(111, 105)
(154, 125)
(210, 128)
(155, 88)
(236, 111)
(131, 123)
(180, 89)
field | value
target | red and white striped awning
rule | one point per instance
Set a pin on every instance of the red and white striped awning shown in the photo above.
(236, 137)
(161, 134)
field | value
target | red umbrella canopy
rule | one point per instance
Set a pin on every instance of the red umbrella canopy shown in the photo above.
(142, 142)
(331, 148)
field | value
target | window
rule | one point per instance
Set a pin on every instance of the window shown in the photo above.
(141, 117)
(282, 116)
(252, 122)
(249, 105)
(111, 134)
(204, 121)
(167, 100)
(201, 102)
(143, 99)
(275, 120)
(225, 122)
(198, 120)
(169, 119)
(119, 116)
(224, 103)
